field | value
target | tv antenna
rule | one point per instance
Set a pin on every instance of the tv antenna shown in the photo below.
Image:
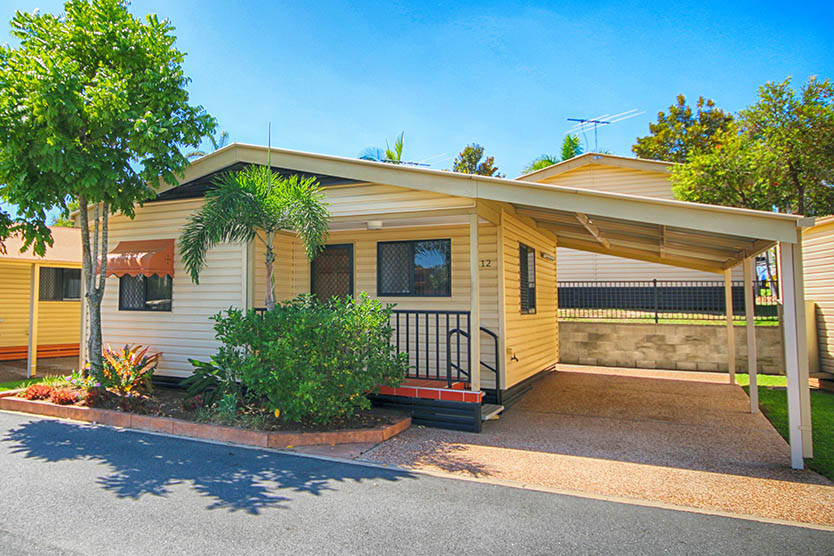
(583, 125)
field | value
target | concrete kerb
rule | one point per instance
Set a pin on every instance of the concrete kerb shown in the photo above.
(453, 476)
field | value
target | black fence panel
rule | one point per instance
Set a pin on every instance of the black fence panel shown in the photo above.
(661, 299)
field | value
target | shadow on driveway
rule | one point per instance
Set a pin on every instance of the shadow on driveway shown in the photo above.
(234, 478)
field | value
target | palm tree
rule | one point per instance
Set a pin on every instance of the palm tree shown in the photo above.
(221, 141)
(571, 147)
(393, 156)
(255, 203)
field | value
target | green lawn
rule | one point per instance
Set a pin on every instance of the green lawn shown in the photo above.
(774, 405)
(18, 383)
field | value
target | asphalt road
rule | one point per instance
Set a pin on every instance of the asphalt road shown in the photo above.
(79, 489)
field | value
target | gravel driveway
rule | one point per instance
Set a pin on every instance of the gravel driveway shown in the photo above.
(670, 437)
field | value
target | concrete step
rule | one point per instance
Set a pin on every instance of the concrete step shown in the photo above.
(490, 411)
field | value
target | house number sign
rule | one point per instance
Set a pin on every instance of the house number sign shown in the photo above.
(485, 263)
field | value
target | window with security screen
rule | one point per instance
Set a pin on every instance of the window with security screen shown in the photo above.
(59, 284)
(145, 293)
(527, 271)
(415, 268)
(331, 272)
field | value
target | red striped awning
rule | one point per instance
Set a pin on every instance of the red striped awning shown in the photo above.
(146, 257)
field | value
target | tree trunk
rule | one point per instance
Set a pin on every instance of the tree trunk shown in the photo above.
(94, 292)
(269, 295)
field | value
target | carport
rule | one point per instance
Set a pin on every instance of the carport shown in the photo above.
(700, 237)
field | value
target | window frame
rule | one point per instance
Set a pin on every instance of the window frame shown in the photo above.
(352, 267)
(63, 271)
(145, 308)
(524, 252)
(412, 293)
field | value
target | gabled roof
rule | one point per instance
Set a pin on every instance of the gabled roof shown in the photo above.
(66, 248)
(690, 235)
(600, 160)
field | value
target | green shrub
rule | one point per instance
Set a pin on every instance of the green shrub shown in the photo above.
(312, 361)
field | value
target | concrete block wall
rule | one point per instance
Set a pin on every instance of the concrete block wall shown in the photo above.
(689, 347)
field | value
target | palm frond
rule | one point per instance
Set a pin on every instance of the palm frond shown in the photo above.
(372, 153)
(231, 213)
(304, 209)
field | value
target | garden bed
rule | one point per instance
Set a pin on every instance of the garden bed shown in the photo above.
(369, 426)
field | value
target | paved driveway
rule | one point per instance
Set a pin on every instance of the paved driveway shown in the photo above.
(80, 489)
(681, 438)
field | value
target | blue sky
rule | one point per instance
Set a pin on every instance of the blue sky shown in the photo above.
(337, 77)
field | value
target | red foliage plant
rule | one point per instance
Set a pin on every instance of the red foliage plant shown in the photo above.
(95, 397)
(63, 397)
(39, 392)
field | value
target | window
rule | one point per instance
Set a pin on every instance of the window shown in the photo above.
(59, 284)
(415, 268)
(527, 271)
(332, 272)
(145, 293)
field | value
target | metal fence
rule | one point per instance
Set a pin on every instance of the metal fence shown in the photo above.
(662, 301)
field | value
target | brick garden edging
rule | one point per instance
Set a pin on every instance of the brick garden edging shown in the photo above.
(179, 427)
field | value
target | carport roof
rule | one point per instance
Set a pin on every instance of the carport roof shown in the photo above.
(702, 237)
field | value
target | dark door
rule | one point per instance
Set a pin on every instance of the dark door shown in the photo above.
(332, 272)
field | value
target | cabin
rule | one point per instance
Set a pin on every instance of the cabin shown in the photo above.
(40, 300)
(469, 262)
(818, 260)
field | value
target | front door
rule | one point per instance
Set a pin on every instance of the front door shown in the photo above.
(331, 272)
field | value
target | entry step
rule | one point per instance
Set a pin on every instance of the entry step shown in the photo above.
(822, 374)
(490, 411)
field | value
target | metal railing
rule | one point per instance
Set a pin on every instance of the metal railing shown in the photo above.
(426, 337)
(662, 301)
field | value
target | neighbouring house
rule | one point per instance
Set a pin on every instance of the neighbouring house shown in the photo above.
(818, 259)
(469, 261)
(40, 299)
(615, 174)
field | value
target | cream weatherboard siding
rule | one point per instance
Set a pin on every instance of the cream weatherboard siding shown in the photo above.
(351, 200)
(581, 265)
(818, 264)
(186, 331)
(532, 339)
(292, 274)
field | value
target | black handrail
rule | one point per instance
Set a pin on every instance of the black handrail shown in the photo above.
(490, 368)
(419, 337)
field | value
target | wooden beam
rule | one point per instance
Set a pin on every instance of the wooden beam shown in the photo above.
(663, 253)
(585, 221)
(639, 255)
(750, 317)
(34, 308)
(474, 306)
(790, 326)
(731, 334)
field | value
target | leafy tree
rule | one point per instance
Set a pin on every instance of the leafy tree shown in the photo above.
(93, 107)
(393, 156)
(683, 131)
(217, 143)
(727, 175)
(794, 138)
(778, 156)
(571, 147)
(469, 162)
(64, 220)
(255, 203)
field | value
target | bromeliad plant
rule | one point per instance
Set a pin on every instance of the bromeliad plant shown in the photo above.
(127, 370)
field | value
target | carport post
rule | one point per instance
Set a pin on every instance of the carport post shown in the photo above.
(731, 338)
(799, 433)
(475, 306)
(750, 317)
